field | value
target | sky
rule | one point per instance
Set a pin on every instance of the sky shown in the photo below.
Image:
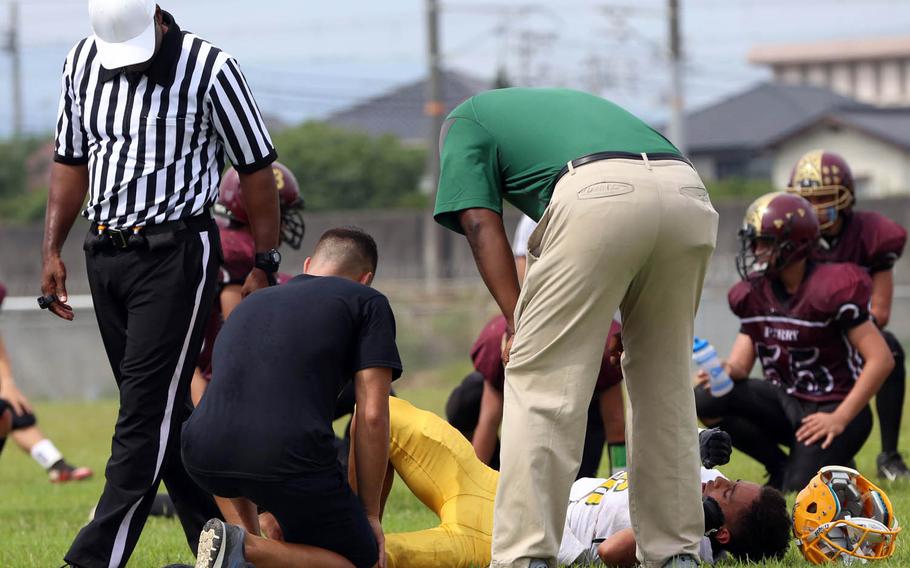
(306, 59)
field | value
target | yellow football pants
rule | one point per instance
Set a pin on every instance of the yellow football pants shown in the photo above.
(439, 466)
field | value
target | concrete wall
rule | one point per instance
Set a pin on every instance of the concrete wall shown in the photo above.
(56, 359)
(398, 234)
(879, 168)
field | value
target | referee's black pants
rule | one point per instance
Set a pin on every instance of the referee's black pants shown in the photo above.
(760, 417)
(152, 305)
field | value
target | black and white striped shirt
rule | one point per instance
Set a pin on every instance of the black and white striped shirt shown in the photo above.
(154, 142)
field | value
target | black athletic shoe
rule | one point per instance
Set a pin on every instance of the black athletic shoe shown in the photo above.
(221, 546)
(891, 466)
(163, 506)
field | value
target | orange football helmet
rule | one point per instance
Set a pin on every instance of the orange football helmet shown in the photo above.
(841, 515)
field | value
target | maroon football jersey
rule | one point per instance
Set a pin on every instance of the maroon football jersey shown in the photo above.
(802, 341)
(868, 239)
(487, 356)
(239, 250)
(2, 293)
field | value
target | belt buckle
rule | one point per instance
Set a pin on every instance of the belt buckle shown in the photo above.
(118, 237)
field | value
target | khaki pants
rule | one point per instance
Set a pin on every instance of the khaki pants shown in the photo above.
(619, 233)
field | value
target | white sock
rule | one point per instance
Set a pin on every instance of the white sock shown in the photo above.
(46, 453)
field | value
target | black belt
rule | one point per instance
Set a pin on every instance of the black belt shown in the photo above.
(598, 156)
(102, 237)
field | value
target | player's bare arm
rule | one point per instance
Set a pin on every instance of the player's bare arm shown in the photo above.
(487, 432)
(69, 185)
(230, 297)
(261, 197)
(371, 443)
(618, 551)
(493, 256)
(741, 359)
(825, 426)
(882, 296)
(242, 512)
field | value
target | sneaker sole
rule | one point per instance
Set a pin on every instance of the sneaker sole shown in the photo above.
(211, 539)
(79, 474)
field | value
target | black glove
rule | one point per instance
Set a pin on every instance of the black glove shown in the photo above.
(715, 447)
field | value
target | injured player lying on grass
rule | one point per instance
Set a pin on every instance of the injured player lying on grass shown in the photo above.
(439, 466)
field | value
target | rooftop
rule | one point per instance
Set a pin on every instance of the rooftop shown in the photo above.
(400, 112)
(760, 116)
(831, 51)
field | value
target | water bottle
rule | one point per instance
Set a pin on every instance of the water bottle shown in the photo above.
(705, 356)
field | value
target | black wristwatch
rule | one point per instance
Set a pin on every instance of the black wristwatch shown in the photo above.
(268, 261)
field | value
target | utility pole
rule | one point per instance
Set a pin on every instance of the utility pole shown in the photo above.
(433, 109)
(530, 42)
(13, 48)
(677, 130)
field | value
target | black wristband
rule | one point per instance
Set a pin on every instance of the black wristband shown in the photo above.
(268, 261)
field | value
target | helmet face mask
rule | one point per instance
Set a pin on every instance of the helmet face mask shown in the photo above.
(825, 179)
(778, 230)
(232, 206)
(841, 515)
(749, 261)
(292, 226)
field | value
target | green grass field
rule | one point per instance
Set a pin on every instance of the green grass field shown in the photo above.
(38, 520)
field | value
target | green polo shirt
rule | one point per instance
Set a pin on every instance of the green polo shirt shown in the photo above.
(510, 144)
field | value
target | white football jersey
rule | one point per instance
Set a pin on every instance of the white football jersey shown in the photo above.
(599, 508)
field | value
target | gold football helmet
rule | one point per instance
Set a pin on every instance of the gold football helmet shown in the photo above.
(841, 515)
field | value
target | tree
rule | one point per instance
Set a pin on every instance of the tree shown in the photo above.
(340, 169)
(13, 157)
(17, 203)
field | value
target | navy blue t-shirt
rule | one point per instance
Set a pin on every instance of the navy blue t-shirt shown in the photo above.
(278, 366)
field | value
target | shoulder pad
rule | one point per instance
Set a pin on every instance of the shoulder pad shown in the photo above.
(882, 238)
(738, 297)
(841, 284)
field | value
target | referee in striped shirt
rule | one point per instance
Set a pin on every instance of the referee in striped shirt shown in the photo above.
(148, 114)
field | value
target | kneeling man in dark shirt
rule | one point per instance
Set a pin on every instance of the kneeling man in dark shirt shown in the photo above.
(262, 433)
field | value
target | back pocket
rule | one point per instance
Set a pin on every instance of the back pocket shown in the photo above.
(605, 189)
(695, 192)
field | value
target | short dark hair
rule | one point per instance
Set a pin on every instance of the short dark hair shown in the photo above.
(351, 247)
(764, 531)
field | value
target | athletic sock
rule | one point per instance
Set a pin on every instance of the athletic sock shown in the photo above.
(617, 453)
(46, 454)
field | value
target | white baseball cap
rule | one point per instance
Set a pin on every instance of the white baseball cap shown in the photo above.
(124, 31)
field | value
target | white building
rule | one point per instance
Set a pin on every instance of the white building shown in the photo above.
(876, 144)
(874, 71)
(760, 133)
